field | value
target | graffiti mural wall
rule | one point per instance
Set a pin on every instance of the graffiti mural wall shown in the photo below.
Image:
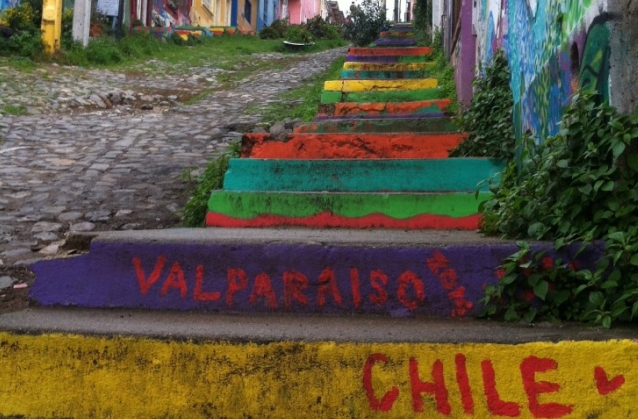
(553, 47)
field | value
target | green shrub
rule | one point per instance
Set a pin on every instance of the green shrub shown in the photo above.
(487, 123)
(365, 23)
(277, 30)
(22, 43)
(579, 186)
(299, 34)
(321, 29)
(19, 18)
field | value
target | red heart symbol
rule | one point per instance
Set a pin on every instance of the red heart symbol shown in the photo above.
(605, 385)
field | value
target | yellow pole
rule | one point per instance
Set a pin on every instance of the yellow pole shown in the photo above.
(51, 25)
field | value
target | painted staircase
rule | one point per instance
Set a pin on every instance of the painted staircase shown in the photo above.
(383, 163)
(348, 322)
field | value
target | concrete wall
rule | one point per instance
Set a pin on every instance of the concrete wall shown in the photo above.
(556, 46)
(464, 56)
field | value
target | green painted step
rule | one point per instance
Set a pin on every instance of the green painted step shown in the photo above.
(328, 97)
(295, 204)
(434, 175)
(432, 125)
(353, 74)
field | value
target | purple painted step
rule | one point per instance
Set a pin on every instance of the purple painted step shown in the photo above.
(303, 271)
(394, 42)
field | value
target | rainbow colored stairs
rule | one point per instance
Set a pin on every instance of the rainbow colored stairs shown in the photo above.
(375, 156)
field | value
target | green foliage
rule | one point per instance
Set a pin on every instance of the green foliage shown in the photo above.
(299, 34)
(366, 21)
(19, 18)
(277, 30)
(579, 186)
(487, 123)
(13, 110)
(321, 29)
(100, 51)
(444, 73)
(23, 43)
(422, 22)
(212, 179)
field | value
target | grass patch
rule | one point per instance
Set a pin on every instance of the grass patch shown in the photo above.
(212, 178)
(14, 110)
(306, 98)
(23, 64)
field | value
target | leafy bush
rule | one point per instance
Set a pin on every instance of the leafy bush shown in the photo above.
(423, 22)
(277, 30)
(19, 18)
(579, 186)
(487, 123)
(365, 23)
(299, 34)
(321, 29)
(21, 43)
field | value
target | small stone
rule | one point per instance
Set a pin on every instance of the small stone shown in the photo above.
(51, 249)
(46, 226)
(85, 226)
(173, 207)
(69, 216)
(15, 252)
(98, 216)
(172, 97)
(123, 213)
(147, 107)
(46, 236)
(6, 282)
(131, 226)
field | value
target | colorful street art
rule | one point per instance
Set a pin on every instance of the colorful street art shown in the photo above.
(145, 378)
(5, 4)
(553, 47)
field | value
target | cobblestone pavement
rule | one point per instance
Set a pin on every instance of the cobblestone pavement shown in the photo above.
(105, 151)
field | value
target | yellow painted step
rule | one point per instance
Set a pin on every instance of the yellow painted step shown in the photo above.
(348, 86)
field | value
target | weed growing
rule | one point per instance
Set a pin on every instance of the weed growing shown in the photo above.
(14, 110)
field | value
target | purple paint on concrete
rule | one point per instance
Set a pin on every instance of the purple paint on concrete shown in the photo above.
(464, 73)
(372, 58)
(384, 116)
(399, 281)
(394, 42)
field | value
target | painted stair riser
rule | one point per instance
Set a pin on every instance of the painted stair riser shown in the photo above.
(330, 210)
(350, 146)
(434, 125)
(394, 42)
(433, 115)
(328, 97)
(274, 277)
(396, 34)
(384, 108)
(369, 66)
(347, 86)
(390, 51)
(133, 377)
(387, 59)
(356, 74)
(444, 175)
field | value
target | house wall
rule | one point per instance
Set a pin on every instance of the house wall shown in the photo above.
(243, 23)
(202, 15)
(464, 55)
(556, 46)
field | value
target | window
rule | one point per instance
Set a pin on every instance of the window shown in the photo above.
(248, 11)
(208, 4)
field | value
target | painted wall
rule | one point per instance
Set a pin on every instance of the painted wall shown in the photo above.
(5, 4)
(247, 15)
(202, 15)
(299, 11)
(464, 56)
(143, 378)
(171, 12)
(555, 46)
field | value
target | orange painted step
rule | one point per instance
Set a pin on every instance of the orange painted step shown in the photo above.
(398, 51)
(350, 146)
(385, 108)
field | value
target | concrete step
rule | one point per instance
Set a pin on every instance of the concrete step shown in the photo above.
(422, 107)
(365, 74)
(267, 270)
(371, 66)
(396, 34)
(387, 59)
(432, 125)
(394, 42)
(349, 146)
(397, 175)
(345, 210)
(131, 364)
(328, 97)
(390, 51)
(348, 86)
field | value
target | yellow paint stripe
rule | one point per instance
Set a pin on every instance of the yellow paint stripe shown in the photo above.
(357, 66)
(55, 376)
(348, 86)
